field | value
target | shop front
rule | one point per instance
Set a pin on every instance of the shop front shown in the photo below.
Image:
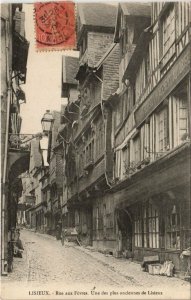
(153, 209)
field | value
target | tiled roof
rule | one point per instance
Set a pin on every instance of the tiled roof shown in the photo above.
(104, 57)
(136, 9)
(97, 14)
(69, 66)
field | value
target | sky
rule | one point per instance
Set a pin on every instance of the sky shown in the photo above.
(43, 81)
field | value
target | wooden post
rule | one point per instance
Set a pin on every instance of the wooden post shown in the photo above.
(189, 103)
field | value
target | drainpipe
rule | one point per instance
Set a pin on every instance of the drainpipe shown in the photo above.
(3, 220)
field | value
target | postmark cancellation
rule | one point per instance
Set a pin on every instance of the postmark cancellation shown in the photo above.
(55, 25)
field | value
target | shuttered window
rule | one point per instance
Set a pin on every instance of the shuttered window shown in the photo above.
(168, 34)
(162, 130)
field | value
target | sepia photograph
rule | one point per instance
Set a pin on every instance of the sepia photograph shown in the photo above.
(95, 150)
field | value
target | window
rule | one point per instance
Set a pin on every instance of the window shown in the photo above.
(168, 34)
(81, 162)
(125, 159)
(183, 17)
(125, 105)
(183, 118)
(77, 218)
(118, 164)
(97, 220)
(96, 88)
(173, 228)
(162, 130)
(83, 45)
(118, 114)
(89, 148)
(137, 144)
(138, 228)
(153, 227)
(147, 67)
(100, 142)
(124, 40)
(147, 226)
(180, 114)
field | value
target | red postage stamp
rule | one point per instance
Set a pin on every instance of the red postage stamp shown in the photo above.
(55, 25)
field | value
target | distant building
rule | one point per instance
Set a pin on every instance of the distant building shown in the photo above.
(69, 121)
(55, 161)
(26, 200)
(35, 171)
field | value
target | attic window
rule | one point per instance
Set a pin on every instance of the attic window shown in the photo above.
(137, 31)
(83, 45)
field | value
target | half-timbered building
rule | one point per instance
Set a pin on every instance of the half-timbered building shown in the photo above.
(152, 144)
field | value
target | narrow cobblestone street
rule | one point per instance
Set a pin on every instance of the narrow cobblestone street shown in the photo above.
(46, 261)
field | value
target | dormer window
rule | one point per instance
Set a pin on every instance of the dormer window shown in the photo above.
(83, 45)
(124, 40)
(124, 34)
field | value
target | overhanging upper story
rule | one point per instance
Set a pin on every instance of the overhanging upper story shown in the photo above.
(162, 58)
(132, 18)
(157, 95)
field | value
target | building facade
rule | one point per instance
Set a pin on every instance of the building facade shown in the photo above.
(127, 167)
(152, 145)
(69, 117)
(55, 160)
(88, 168)
(14, 154)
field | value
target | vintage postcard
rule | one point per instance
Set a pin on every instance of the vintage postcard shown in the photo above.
(95, 150)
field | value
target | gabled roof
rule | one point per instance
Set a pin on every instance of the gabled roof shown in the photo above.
(132, 10)
(69, 66)
(97, 14)
(136, 9)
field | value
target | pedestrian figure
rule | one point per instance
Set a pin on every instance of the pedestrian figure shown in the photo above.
(18, 247)
(63, 237)
(58, 232)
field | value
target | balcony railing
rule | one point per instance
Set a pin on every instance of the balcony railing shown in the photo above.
(20, 141)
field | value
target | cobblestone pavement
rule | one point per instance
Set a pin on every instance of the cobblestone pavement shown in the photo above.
(46, 260)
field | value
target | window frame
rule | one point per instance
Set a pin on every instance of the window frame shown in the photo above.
(143, 235)
(164, 109)
(172, 229)
(164, 53)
